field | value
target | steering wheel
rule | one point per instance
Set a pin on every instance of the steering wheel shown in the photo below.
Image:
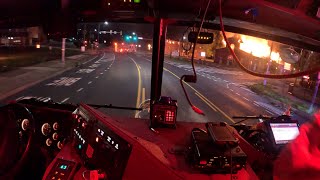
(17, 127)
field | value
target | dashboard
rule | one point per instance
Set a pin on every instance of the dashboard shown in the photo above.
(109, 148)
(52, 127)
(98, 146)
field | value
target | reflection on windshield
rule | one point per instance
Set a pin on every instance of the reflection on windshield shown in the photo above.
(110, 63)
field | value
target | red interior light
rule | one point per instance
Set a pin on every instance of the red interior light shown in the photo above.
(170, 116)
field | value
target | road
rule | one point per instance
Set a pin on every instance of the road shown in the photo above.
(124, 80)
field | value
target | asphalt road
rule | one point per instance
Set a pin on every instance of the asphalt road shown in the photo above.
(124, 80)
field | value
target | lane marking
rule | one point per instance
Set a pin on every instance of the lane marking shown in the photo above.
(101, 73)
(85, 70)
(91, 59)
(64, 81)
(105, 70)
(256, 104)
(222, 112)
(231, 90)
(97, 77)
(89, 82)
(66, 99)
(246, 98)
(79, 89)
(206, 102)
(238, 94)
(19, 98)
(269, 112)
(226, 81)
(139, 86)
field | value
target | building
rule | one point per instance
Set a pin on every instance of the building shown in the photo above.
(22, 36)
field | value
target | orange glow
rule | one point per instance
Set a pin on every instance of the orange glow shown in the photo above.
(115, 44)
(287, 66)
(258, 47)
(275, 56)
(232, 46)
(255, 46)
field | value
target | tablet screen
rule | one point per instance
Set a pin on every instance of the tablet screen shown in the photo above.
(283, 133)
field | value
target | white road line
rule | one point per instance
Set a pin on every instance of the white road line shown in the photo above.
(108, 68)
(20, 98)
(97, 77)
(269, 112)
(91, 59)
(79, 89)
(256, 104)
(89, 82)
(231, 89)
(105, 70)
(246, 99)
(238, 94)
(226, 81)
(66, 99)
(101, 73)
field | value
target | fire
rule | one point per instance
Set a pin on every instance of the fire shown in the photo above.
(258, 47)
(275, 56)
(255, 46)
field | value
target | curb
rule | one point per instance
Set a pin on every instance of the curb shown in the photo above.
(21, 88)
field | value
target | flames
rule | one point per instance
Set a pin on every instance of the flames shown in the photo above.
(258, 47)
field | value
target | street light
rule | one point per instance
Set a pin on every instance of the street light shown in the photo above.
(133, 33)
(105, 23)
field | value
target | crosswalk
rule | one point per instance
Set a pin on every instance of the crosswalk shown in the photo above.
(210, 70)
(43, 99)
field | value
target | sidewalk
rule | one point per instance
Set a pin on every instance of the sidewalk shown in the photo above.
(12, 82)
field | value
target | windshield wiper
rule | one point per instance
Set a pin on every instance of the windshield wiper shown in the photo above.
(110, 106)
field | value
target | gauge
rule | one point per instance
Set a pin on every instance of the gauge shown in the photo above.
(25, 124)
(55, 126)
(48, 142)
(46, 129)
(55, 136)
(59, 145)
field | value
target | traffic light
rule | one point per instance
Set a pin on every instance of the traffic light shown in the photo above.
(130, 38)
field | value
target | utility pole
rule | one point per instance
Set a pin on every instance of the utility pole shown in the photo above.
(268, 65)
(63, 50)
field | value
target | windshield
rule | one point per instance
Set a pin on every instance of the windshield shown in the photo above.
(110, 63)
